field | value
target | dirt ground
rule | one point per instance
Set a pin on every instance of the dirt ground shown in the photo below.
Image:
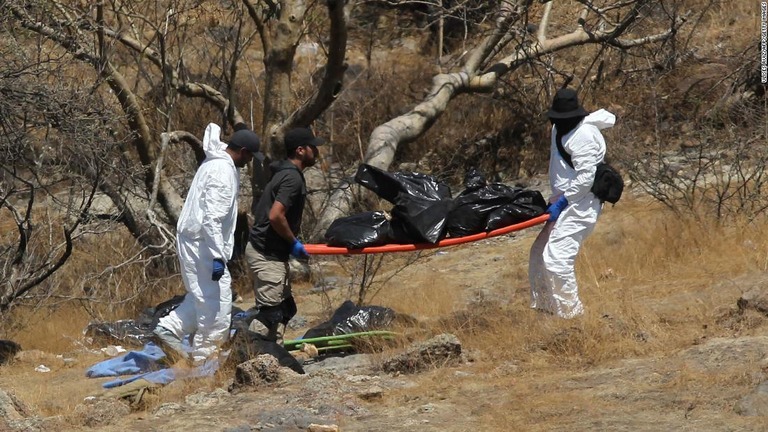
(519, 371)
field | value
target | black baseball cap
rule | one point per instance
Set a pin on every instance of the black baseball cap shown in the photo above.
(299, 137)
(248, 140)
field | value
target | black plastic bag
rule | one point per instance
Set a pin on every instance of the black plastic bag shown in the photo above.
(398, 233)
(247, 345)
(423, 220)
(470, 214)
(124, 332)
(267, 315)
(8, 350)
(347, 309)
(526, 205)
(132, 332)
(473, 211)
(421, 203)
(389, 185)
(349, 318)
(366, 318)
(359, 230)
(473, 180)
(150, 316)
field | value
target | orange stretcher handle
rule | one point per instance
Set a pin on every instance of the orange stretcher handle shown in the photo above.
(324, 249)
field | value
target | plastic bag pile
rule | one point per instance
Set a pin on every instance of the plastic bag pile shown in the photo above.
(424, 212)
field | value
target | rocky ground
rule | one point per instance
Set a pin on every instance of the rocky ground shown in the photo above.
(351, 394)
(717, 383)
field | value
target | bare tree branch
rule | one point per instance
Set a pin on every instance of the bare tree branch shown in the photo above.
(386, 138)
(333, 76)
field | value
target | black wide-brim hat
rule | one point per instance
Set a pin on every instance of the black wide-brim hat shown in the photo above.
(566, 105)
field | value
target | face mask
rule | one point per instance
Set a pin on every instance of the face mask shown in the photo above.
(566, 125)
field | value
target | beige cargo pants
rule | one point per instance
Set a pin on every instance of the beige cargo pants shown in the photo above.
(271, 285)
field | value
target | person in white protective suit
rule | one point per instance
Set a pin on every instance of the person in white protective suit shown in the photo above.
(205, 236)
(573, 208)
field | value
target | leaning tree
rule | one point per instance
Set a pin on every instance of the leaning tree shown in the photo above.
(157, 69)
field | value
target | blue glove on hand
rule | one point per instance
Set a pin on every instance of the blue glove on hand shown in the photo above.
(555, 208)
(297, 249)
(218, 269)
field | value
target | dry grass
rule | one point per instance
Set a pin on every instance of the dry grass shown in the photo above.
(53, 393)
(649, 281)
(433, 299)
(638, 304)
(648, 304)
(479, 292)
(50, 330)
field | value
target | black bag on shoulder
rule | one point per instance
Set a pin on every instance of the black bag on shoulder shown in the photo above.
(608, 184)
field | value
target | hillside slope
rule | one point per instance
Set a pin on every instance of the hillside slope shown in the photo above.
(658, 352)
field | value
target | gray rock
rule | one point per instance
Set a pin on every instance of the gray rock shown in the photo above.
(371, 393)
(438, 351)
(361, 378)
(11, 408)
(338, 365)
(720, 353)
(756, 298)
(300, 271)
(101, 412)
(428, 408)
(506, 368)
(207, 399)
(262, 370)
(297, 322)
(34, 424)
(754, 404)
(15, 415)
(168, 409)
(319, 382)
(288, 419)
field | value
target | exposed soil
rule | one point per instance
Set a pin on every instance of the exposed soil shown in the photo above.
(711, 385)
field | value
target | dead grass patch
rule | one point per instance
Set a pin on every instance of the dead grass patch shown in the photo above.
(742, 323)
(646, 279)
(53, 393)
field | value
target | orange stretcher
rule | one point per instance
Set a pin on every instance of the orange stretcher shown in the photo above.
(324, 249)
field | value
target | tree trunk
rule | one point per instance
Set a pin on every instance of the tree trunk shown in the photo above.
(406, 128)
(278, 64)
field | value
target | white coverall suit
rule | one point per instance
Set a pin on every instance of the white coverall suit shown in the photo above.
(553, 254)
(205, 231)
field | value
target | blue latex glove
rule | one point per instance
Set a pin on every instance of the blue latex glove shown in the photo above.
(556, 207)
(297, 249)
(218, 269)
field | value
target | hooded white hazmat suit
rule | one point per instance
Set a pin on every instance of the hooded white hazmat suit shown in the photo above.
(205, 231)
(553, 254)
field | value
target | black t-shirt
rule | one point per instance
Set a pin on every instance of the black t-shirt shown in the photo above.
(288, 187)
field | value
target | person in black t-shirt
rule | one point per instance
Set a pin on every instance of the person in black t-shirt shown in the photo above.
(274, 234)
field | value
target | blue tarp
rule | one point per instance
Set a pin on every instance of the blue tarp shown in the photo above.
(146, 364)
